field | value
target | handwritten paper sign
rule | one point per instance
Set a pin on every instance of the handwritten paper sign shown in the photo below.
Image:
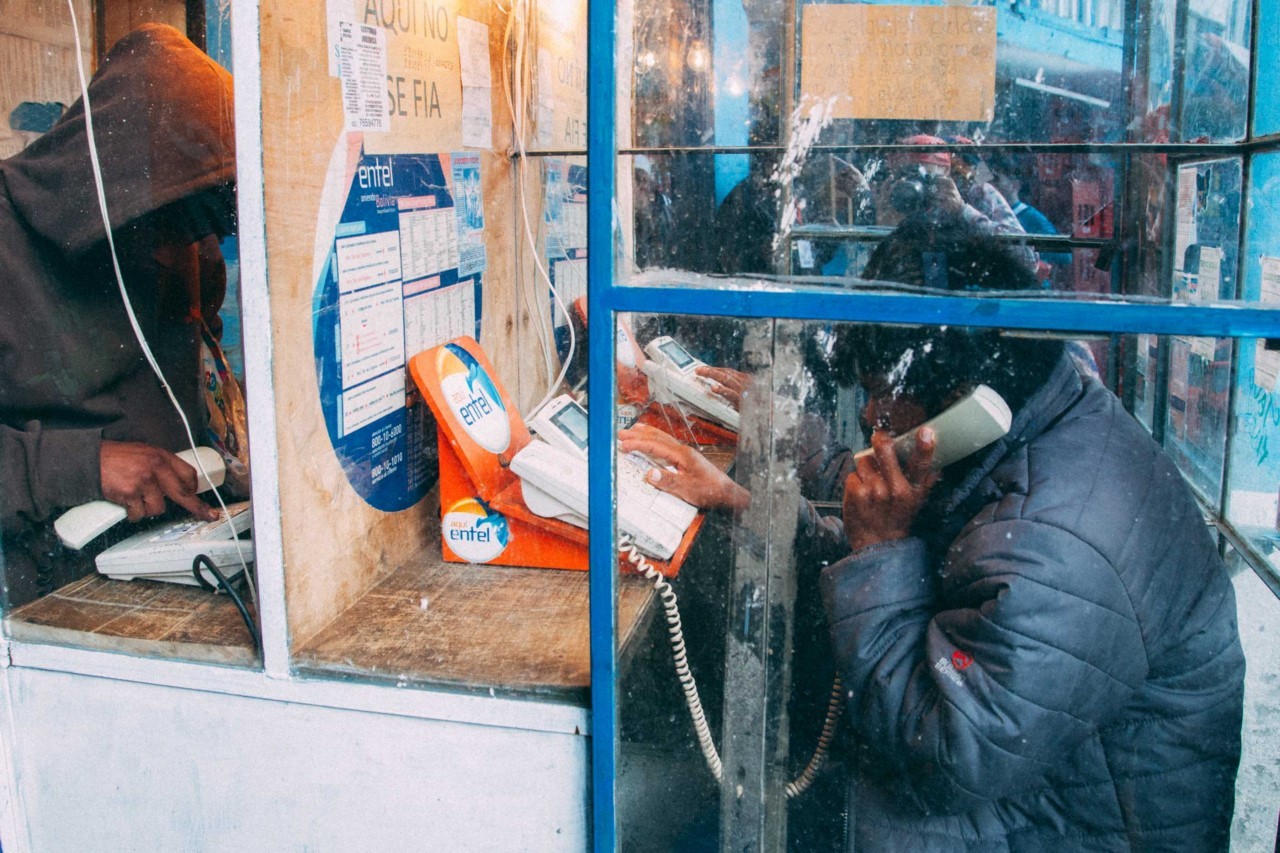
(901, 62)
(423, 91)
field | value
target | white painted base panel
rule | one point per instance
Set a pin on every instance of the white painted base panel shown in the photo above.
(102, 764)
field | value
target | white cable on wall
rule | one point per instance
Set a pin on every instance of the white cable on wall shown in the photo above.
(124, 293)
(521, 75)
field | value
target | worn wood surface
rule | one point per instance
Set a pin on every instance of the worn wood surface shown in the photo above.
(479, 628)
(138, 617)
(120, 17)
(518, 631)
(37, 53)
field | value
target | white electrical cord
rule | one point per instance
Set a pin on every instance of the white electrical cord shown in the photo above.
(520, 74)
(675, 632)
(124, 294)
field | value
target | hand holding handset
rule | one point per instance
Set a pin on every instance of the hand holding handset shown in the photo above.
(975, 421)
(672, 373)
(553, 473)
(81, 524)
(165, 551)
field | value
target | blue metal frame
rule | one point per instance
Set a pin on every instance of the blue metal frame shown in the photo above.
(607, 299)
(600, 385)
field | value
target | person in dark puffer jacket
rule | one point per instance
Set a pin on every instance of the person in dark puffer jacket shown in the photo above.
(1040, 648)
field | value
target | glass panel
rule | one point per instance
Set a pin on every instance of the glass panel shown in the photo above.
(106, 541)
(1266, 111)
(1145, 369)
(1156, 36)
(1042, 71)
(1215, 102)
(1207, 234)
(1199, 376)
(1255, 469)
(1062, 213)
(675, 416)
(1255, 822)
(931, 603)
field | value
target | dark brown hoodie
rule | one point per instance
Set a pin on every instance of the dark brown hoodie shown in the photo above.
(71, 373)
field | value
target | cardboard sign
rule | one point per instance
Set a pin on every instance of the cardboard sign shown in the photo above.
(901, 62)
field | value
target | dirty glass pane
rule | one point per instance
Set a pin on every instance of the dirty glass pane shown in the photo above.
(1266, 111)
(931, 605)
(1254, 826)
(1251, 501)
(1040, 71)
(1215, 97)
(102, 522)
(695, 397)
(1134, 227)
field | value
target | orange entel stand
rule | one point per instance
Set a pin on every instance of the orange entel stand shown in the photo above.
(483, 517)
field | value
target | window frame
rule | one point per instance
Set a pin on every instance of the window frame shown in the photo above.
(607, 299)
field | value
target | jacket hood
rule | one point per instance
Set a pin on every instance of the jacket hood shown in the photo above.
(162, 120)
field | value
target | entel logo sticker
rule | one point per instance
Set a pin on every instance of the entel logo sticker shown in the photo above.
(960, 660)
(474, 532)
(473, 398)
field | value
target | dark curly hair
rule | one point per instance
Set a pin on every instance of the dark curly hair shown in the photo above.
(931, 363)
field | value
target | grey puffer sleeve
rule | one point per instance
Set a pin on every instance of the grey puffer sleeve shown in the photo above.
(972, 687)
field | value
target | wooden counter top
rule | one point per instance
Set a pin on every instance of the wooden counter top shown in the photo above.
(472, 627)
(138, 617)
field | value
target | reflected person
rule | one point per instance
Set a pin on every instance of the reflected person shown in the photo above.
(1039, 644)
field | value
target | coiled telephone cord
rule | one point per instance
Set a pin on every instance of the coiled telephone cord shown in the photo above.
(701, 728)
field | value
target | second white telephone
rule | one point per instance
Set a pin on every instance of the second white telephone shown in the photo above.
(672, 373)
(553, 473)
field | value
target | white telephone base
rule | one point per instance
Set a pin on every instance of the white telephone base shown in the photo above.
(166, 551)
(80, 525)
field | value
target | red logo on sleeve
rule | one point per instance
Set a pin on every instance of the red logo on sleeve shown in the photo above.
(960, 660)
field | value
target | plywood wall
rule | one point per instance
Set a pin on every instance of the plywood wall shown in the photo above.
(38, 58)
(120, 17)
(335, 544)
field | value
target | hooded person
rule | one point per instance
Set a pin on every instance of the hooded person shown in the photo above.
(1039, 643)
(82, 416)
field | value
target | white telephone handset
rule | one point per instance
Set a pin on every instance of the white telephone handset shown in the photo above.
(553, 474)
(672, 375)
(82, 524)
(975, 421)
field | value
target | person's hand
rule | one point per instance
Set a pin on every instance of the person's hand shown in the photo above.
(946, 196)
(139, 477)
(694, 480)
(880, 499)
(726, 382)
